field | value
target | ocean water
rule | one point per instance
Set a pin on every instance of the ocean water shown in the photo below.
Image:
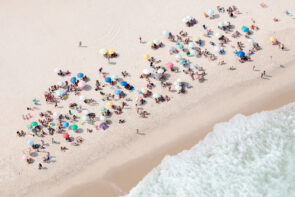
(246, 156)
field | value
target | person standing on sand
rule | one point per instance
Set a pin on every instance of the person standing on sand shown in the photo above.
(80, 44)
(261, 75)
(264, 73)
(140, 40)
(40, 166)
(253, 68)
(137, 131)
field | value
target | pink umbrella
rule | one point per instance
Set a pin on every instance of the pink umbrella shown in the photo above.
(169, 65)
(25, 157)
(81, 84)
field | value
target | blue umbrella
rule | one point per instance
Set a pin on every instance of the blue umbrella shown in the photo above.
(165, 33)
(108, 80)
(245, 29)
(80, 75)
(177, 43)
(85, 118)
(210, 12)
(52, 124)
(65, 124)
(171, 48)
(241, 54)
(73, 80)
(117, 92)
(123, 83)
(30, 143)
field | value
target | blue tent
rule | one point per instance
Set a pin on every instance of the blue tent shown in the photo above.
(123, 83)
(80, 75)
(245, 29)
(73, 79)
(108, 80)
(117, 92)
(241, 54)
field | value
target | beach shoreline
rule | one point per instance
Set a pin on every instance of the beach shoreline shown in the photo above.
(119, 180)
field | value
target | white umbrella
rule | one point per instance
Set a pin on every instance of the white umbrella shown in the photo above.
(160, 71)
(82, 98)
(178, 87)
(250, 40)
(115, 76)
(179, 81)
(156, 95)
(185, 20)
(86, 112)
(102, 118)
(217, 49)
(61, 83)
(191, 45)
(193, 52)
(55, 114)
(218, 35)
(221, 24)
(178, 56)
(146, 71)
(156, 42)
(211, 12)
(227, 23)
(189, 18)
(56, 70)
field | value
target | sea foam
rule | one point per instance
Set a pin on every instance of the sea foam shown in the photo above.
(246, 156)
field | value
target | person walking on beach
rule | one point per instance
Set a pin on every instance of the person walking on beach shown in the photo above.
(253, 68)
(261, 75)
(140, 40)
(264, 73)
(40, 166)
(137, 131)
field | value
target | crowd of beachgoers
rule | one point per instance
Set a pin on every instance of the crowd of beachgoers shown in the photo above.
(116, 92)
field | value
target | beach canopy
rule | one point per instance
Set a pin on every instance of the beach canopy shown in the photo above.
(111, 51)
(241, 54)
(117, 92)
(73, 80)
(115, 77)
(34, 123)
(169, 65)
(80, 75)
(160, 71)
(108, 80)
(66, 135)
(81, 84)
(85, 118)
(123, 83)
(210, 12)
(146, 71)
(165, 33)
(156, 95)
(30, 143)
(273, 39)
(146, 56)
(56, 70)
(103, 51)
(74, 127)
(65, 124)
(245, 29)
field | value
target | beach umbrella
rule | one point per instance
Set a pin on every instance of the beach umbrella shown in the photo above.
(165, 33)
(61, 83)
(108, 80)
(115, 77)
(218, 35)
(210, 12)
(117, 92)
(25, 157)
(85, 118)
(185, 20)
(177, 43)
(273, 39)
(179, 81)
(169, 65)
(30, 143)
(74, 127)
(157, 76)
(193, 52)
(82, 98)
(146, 71)
(178, 87)
(189, 17)
(102, 118)
(56, 70)
(180, 46)
(156, 95)
(34, 123)
(55, 114)
(178, 56)
(110, 104)
(28, 149)
(171, 48)
(65, 124)
(103, 109)
(157, 42)
(191, 45)
(241, 54)
(59, 93)
(85, 112)
(197, 38)
(221, 24)
(182, 62)
(150, 43)
(66, 135)
(144, 91)
(250, 40)
(160, 71)
(52, 124)
(226, 23)
(111, 51)
(73, 80)
(123, 83)
(103, 51)
(81, 84)
(245, 29)
(80, 75)
(217, 48)
(146, 56)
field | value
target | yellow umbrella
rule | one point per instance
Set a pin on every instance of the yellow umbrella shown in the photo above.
(273, 39)
(150, 43)
(111, 51)
(197, 38)
(146, 56)
(110, 104)
(102, 51)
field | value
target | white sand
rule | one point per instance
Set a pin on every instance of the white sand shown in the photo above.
(38, 36)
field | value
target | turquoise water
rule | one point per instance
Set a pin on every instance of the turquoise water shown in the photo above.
(246, 156)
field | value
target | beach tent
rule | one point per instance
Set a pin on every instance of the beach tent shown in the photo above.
(157, 42)
(193, 52)
(245, 29)
(218, 35)
(221, 24)
(179, 81)
(80, 75)
(191, 45)
(178, 87)
(169, 65)
(241, 54)
(59, 93)
(102, 118)
(123, 83)
(108, 80)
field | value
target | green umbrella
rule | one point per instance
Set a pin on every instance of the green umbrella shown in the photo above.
(34, 123)
(74, 127)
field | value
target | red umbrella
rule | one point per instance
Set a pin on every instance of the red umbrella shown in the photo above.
(169, 65)
(66, 135)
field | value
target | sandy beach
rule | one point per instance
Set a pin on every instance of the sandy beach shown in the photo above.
(39, 36)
